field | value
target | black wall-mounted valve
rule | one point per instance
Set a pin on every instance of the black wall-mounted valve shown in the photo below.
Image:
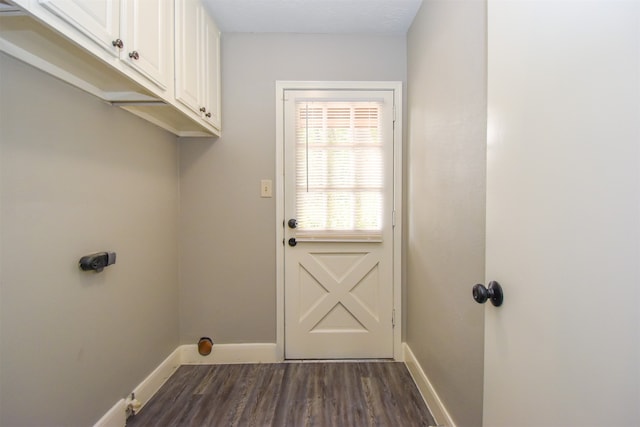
(98, 261)
(493, 293)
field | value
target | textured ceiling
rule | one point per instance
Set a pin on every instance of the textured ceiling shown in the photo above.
(314, 16)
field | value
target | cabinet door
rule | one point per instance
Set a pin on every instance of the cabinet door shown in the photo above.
(98, 19)
(147, 31)
(189, 61)
(211, 70)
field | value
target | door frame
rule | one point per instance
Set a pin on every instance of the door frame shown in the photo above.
(396, 88)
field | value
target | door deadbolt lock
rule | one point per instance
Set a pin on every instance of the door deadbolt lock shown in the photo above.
(292, 223)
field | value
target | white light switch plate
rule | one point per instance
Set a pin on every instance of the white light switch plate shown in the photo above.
(265, 188)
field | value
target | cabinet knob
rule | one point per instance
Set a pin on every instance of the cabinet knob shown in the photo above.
(118, 43)
(202, 109)
(208, 115)
(134, 55)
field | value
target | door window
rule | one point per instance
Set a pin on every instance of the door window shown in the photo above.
(339, 169)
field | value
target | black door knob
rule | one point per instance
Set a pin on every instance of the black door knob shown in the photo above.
(493, 292)
(292, 223)
(292, 241)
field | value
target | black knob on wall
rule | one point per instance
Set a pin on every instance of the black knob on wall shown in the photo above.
(493, 293)
(292, 241)
(97, 262)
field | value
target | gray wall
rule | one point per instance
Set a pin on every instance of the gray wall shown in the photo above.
(446, 200)
(72, 343)
(78, 176)
(228, 266)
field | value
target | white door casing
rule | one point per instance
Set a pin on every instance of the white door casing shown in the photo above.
(337, 294)
(563, 214)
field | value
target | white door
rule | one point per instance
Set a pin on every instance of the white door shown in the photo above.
(563, 214)
(338, 197)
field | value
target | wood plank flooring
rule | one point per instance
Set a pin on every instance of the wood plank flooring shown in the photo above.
(323, 394)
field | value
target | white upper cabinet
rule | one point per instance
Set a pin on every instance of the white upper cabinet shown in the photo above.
(189, 89)
(139, 32)
(97, 19)
(147, 30)
(158, 59)
(197, 60)
(211, 69)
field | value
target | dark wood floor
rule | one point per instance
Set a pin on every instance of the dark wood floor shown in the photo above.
(341, 394)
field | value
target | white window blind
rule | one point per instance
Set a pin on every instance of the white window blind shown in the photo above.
(339, 169)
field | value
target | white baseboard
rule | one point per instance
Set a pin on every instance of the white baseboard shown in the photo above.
(115, 417)
(150, 385)
(230, 353)
(188, 355)
(429, 394)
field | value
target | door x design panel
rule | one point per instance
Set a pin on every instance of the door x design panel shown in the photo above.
(338, 292)
(341, 306)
